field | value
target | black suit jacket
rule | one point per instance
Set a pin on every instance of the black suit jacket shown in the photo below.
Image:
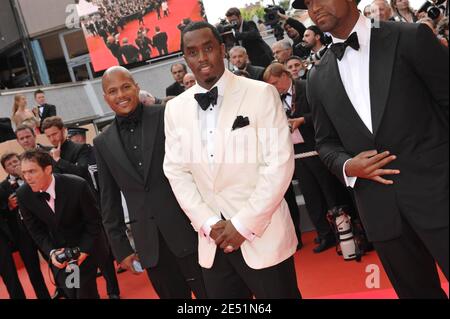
(256, 72)
(74, 159)
(49, 110)
(259, 52)
(76, 221)
(151, 203)
(408, 93)
(174, 89)
(302, 109)
(6, 131)
(160, 40)
(6, 216)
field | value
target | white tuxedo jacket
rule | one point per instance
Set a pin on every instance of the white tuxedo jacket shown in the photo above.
(252, 169)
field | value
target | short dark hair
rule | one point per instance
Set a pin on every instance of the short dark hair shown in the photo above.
(6, 157)
(52, 121)
(233, 12)
(317, 31)
(182, 64)
(198, 26)
(40, 157)
(38, 92)
(24, 127)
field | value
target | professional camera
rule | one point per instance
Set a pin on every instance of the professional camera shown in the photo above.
(68, 255)
(272, 18)
(433, 8)
(226, 31)
(351, 240)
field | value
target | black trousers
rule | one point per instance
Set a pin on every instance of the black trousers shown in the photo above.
(109, 273)
(231, 278)
(293, 210)
(29, 253)
(8, 271)
(87, 281)
(176, 277)
(321, 191)
(410, 261)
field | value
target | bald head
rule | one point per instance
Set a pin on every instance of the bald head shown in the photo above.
(120, 90)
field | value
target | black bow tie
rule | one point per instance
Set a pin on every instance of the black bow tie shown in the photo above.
(44, 195)
(285, 95)
(207, 99)
(339, 48)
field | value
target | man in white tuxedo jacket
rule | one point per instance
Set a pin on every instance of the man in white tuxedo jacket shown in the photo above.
(229, 160)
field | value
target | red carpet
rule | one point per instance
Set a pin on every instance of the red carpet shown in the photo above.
(102, 58)
(320, 276)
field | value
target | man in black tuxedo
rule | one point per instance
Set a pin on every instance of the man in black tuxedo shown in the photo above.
(239, 59)
(14, 234)
(130, 156)
(378, 110)
(321, 190)
(60, 212)
(43, 109)
(178, 71)
(26, 137)
(160, 41)
(247, 35)
(69, 157)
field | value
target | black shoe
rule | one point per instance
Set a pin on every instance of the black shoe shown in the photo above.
(99, 273)
(324, 245)
(317, 240)
(58, 294)
(113, 296)
(120, 270)
(299, 245)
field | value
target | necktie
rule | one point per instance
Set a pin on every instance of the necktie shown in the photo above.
(285, 95)
(339, 48)
(44, 196)
(207, 99)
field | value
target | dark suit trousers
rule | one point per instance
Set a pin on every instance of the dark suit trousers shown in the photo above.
(109, 273)
(231, 278)
(8, 271)
(88, 281)
(176, 277)
(410, 261)
(321, 190)
(294, 210)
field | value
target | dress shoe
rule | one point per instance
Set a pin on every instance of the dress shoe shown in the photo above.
(58, 294)
(99, 273)
(325, 243)
(120, 270)
(317, 240)
(113, 296)
(299, 245)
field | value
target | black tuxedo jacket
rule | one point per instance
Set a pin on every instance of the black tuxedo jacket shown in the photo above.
(6, 131)
(409, 94)
(6, 216)
(302, 109)
(256, 72)
(49, 110)
(74, 159)
(76, 221)
(160, 40)
(174, 89)
(259, 52)
(151, 203)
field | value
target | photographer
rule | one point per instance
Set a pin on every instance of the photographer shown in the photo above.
(247, 35)
(314, 39)
(14, 235)
(60, 211)
(240, 61)
(294, 28)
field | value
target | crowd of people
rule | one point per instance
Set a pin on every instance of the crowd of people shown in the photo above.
(357, 143)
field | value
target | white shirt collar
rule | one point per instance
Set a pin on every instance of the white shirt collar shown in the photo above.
(362, 29)
(51, 189)
(221, 84)
(290, 88)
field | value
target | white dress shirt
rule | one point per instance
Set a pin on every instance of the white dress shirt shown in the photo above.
(51, 191)
(208, 124)
(354, 71)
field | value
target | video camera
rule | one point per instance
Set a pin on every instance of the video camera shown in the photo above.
(272, 18)
(68, 255)
(433, 8)
(226, 31)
